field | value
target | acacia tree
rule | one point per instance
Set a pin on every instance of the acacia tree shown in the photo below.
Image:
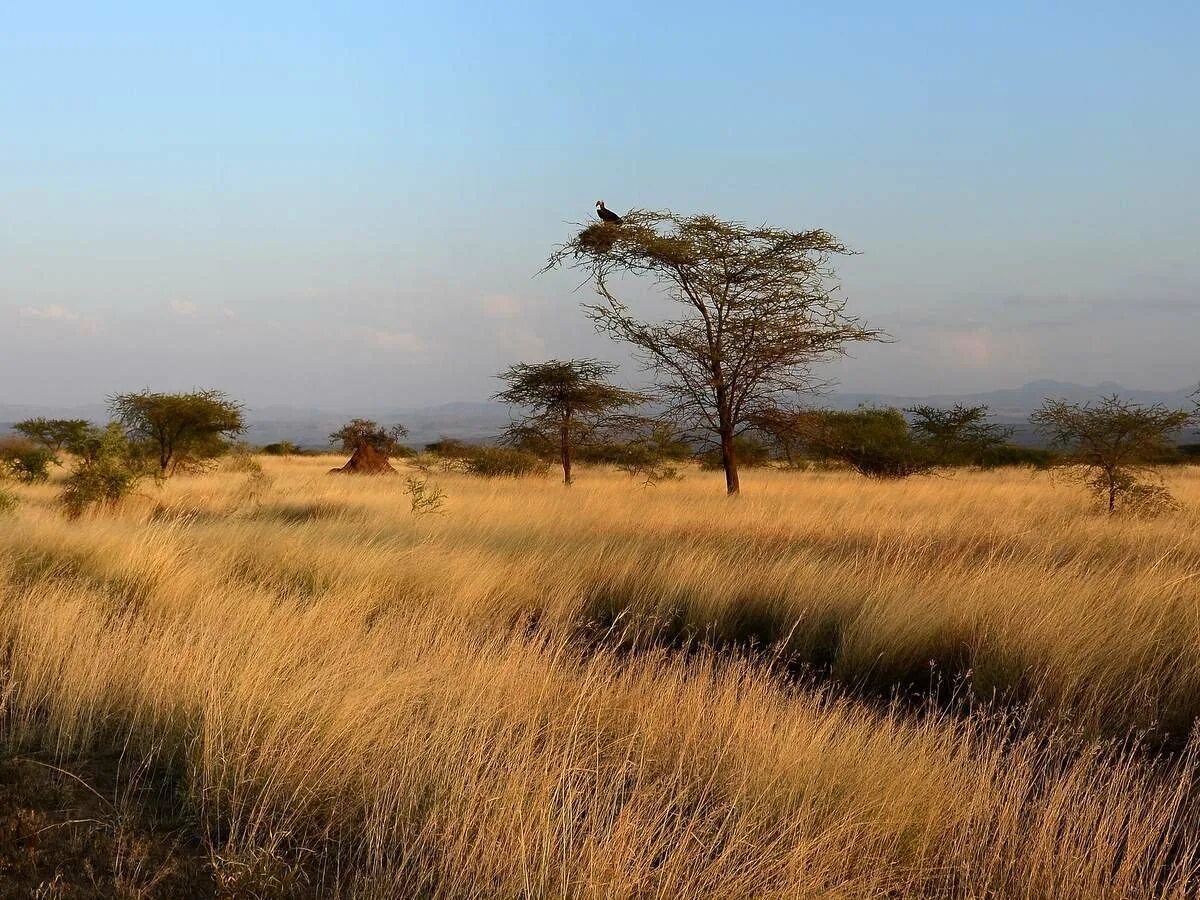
(961, 434)
(183, 429)
(568, 400)
(359, 432)
(55, 433)
(757, 310)
(1112, 441)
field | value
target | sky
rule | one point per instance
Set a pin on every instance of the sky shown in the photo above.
(346, 204)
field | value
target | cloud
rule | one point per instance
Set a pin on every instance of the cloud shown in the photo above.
(972, 348)
(53, 312)
(183, 308)
(59, 315)
(500, 306)
(382, 339)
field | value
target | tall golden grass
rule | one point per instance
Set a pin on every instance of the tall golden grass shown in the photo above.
(615, 690)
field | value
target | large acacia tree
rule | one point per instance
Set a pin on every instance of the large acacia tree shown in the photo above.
(567, 401)
(183, 430)
(758, 307)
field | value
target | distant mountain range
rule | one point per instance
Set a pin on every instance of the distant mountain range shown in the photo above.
(485, 421)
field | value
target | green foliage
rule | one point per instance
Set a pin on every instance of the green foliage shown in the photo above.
(282, 448)
(482, 460)
(1113, 443)
(874, 442)
(360, 432)
(755, 309)
(1006, 454)
(184, 431)
(501, 462)
(26, 461)
(750, 452)
(568, 401)
(960, 435)
(57, 434)
(107, 474)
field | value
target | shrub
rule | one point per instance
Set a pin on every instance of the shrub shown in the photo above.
(1016, 455)
(282, 448)
(875, 442)
(106, 475)
(26, 461)
(241, 459)
(501, 462)
(424, 497)
(750, 453)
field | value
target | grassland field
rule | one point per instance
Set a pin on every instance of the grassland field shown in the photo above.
(279, 682)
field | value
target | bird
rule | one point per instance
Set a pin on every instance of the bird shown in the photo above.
(606, 214)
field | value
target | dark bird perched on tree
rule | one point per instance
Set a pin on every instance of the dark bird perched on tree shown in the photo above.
(607, 214)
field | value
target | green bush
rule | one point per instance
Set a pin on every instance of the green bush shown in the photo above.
(501, 462)
(282, 448)
(750, 453)
(1016, 455)
(26, 461)
(875, 442)
(106, 475)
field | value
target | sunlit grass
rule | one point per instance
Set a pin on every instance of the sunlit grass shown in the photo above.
(495, 701)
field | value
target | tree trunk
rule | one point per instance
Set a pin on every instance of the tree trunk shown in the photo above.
(729, 462)
(565, 450)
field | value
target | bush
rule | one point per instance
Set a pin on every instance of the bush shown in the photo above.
(26, 461)
(479, 459)
(501, 462)
(282, 448)
(875, 442)
(750, 453)
(106, 475)
(1016, 455)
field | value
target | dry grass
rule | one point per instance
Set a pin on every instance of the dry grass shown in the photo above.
(592, 692)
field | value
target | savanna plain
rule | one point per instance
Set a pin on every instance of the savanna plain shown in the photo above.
(263, 680)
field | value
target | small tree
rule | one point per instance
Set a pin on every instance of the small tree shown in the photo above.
(1113, 441)
(184, 430)
(360, 432)
(758, 309)
(55, 433)
(104, 475)
(568, 399)
(26, 461)
(956, 436)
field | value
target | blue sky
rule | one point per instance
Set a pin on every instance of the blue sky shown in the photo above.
(345, 204)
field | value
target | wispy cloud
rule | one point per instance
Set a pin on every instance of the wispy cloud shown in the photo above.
(59, 315)
(383, 339)
(53, 312)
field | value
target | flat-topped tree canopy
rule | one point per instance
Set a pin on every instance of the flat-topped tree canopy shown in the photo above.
(760, 306)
